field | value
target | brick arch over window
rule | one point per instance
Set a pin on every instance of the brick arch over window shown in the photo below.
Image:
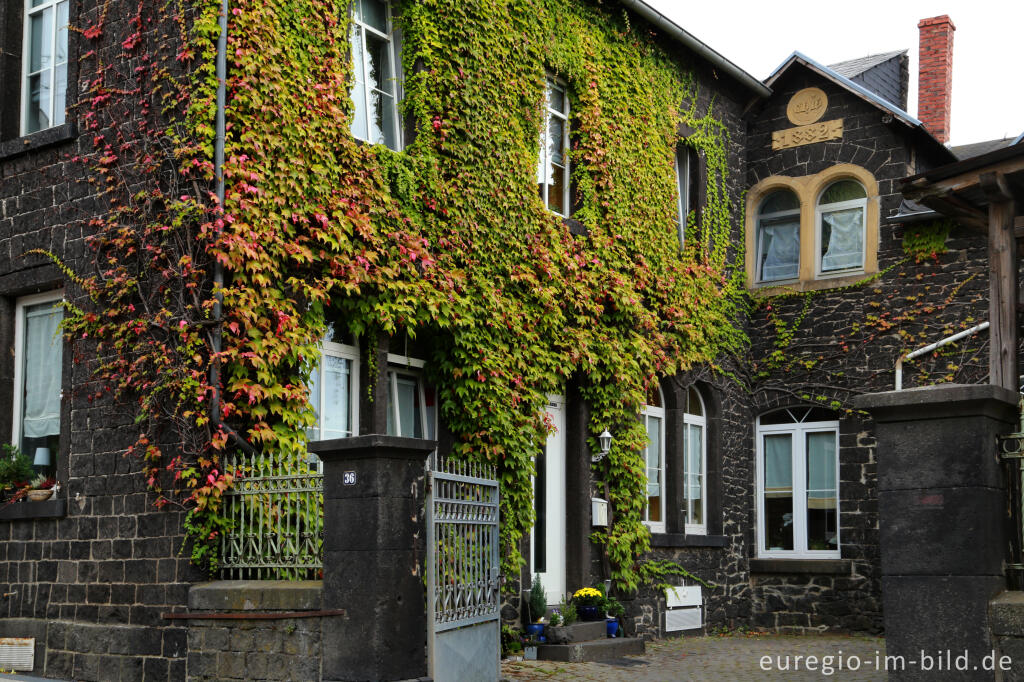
(809, 189)
(675, 392)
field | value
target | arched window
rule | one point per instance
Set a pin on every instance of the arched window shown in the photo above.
(798, 484)
(778, 237)
(840, 220)
(695, 464)
(654, 456)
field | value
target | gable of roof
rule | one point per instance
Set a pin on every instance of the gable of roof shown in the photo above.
(860, 91)
(886, 74)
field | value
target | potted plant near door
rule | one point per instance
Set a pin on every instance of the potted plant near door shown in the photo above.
(537, 606)
(613, 610)
(587, 601)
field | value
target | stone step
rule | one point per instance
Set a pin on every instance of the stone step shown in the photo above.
(594, 650)
(582, 631)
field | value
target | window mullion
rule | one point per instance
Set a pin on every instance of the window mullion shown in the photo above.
(800, 491)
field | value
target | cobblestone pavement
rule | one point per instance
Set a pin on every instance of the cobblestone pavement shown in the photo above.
(733, 657)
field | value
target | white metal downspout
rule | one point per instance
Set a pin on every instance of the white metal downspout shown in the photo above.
(932, 346)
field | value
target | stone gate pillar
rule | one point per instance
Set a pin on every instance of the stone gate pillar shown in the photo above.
(374, 554)
(942, 521)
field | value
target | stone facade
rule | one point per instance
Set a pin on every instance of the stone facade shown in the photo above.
(94, 579)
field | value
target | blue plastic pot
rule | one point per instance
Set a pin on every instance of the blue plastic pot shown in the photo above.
(612, 625)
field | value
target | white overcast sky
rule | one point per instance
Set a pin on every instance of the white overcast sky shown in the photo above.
(988, 46)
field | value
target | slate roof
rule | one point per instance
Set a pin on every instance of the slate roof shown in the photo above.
(966, 151)
(885, 74)
(854, 67)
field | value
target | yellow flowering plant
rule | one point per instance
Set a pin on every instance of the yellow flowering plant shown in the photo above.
(587, 596)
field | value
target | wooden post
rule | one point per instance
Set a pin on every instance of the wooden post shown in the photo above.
(1002, 258)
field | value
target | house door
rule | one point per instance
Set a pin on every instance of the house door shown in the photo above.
(547, 542)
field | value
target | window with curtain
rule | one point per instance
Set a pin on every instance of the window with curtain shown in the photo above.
(553, 178)
(37, 379)
(798, 484)
(654, 456)
(375, 89)
(44, 65)
(778, 237)
(695, 463)
(840, 212)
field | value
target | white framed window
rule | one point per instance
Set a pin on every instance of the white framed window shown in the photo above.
(411, 404)
(695, 452)
(654, 456)
(38, 354)
(839, 216)
(778, 237)
(798, 484)
(553, 172)
(685, 168)
(44, 65)
(375, 90)
(334, 392)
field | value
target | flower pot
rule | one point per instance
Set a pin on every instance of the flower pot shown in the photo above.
(535, 629)
(40, 495)
(613, 626)
(588, 612)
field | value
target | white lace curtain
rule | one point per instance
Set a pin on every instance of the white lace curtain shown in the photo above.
(845, 239)
(780, 243)
(43, 342)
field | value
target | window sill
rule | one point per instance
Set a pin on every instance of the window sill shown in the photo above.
(682, 540)
(576, 228)
(766, 289)
(10, 149)
(47, 509)
(813, 566)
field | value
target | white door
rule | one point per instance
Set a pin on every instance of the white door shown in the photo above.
(547, 542)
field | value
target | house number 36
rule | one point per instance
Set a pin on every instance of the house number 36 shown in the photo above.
(349, 478)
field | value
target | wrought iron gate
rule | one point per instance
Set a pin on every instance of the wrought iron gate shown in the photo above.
(463, 569)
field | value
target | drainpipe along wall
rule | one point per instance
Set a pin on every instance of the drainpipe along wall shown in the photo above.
(220, 134)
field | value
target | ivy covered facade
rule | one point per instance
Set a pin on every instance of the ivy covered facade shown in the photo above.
(496, 225)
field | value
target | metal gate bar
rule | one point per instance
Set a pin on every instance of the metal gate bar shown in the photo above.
(463, 569)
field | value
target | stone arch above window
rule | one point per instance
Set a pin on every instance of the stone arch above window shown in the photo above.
(833, 227)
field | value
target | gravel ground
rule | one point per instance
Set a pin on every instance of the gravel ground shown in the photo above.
(736, 657)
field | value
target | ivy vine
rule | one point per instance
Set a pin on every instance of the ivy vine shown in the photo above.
(446, 239)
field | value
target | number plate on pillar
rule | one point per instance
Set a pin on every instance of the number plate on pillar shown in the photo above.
(349, 478)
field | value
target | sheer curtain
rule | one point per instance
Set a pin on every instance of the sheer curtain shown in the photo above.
(778, 466)
(780, 243)
(845, 239)
(41, 405)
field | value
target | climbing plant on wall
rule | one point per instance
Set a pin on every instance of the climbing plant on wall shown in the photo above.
(445, 239)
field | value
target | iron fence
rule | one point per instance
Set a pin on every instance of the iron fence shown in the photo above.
(1011, 451)
(276, 509)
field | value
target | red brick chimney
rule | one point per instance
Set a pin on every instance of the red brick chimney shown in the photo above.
(935, 75)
